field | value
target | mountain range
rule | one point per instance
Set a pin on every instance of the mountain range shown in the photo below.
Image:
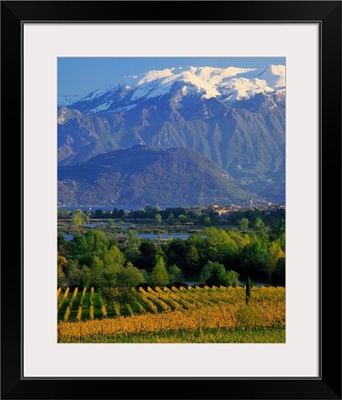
(148, 175)
(234, 117)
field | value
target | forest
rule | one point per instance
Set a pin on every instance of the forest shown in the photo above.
(253, 247)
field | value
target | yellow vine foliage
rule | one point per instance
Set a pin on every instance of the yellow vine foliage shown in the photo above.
(196, 310)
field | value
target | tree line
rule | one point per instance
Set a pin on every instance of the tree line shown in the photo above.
(250, 219)
(216, 256)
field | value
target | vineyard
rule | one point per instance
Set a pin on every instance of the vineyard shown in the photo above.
(172, 315)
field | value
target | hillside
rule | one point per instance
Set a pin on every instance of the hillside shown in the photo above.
(145, 175)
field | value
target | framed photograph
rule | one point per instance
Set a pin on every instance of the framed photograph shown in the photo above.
(171, 193)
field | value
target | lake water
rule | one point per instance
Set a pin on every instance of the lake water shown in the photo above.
(95, 224)
(68, 238)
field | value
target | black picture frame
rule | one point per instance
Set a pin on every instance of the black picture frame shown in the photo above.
(328, 384)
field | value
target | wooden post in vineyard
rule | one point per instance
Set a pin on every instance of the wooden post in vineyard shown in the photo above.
(248, 290)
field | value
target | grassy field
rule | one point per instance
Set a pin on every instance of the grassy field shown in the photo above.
(163, 315)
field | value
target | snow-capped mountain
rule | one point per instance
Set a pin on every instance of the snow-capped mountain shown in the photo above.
(235, 117)
(226, 84)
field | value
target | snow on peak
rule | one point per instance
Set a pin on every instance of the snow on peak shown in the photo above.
(276, 70)
(207, 80)
(252, 82)
(155, 75)
(229, 84)
(274, 75)
(232, 82)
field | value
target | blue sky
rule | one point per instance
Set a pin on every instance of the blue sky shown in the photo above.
(81, 75)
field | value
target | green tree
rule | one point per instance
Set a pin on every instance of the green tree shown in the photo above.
(192, 258)
(118, 213)
(79, 218)
(61, 278)
(113, 261)
(218, 245)
(62, 245)
(109, 275)
(144, 274)
(62, 262)
(175, 273)
(171, 218)
(132, 248)
(244, 224)
(175, 251)
(274, 253)
(74, 273)
(148, 252)
(128, 277)
(259, 224)
(98, 214)
(232, 278)
(278, 276)
(96, 269)
(62, 213)
(158, 219)
(159, 275)
(182, 218)
(241, 239)
(81, 245)
(86, 276)
(214, 273)
(96, 241)
(282, 241)
(206, 272)
(252, 257)
(207, 221)
(113, 257)
(111, 222)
